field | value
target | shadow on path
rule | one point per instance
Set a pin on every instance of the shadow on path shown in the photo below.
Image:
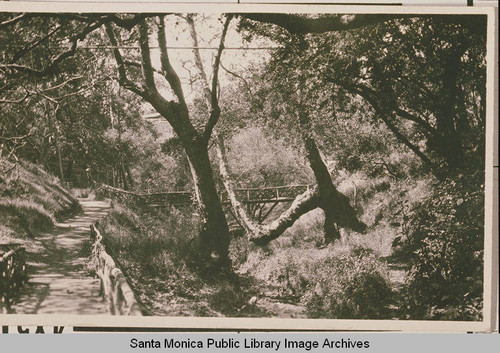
(59, 282)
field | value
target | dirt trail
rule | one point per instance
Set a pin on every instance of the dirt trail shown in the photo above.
(58, 279)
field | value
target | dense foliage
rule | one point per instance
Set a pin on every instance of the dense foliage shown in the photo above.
(443, 247)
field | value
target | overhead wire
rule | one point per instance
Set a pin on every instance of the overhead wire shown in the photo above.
(126, 47)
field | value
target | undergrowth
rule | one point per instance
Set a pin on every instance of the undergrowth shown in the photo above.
(350, 279)
(158, 250)
(443, 247)
(342, 281)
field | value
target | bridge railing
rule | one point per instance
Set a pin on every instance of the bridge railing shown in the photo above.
(271, 194)
(12, 273)
(282, 193)
(119, 297)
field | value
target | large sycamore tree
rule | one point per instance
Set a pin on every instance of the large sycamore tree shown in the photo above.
(139, 75)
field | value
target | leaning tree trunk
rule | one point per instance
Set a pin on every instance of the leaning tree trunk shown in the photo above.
(336, 207)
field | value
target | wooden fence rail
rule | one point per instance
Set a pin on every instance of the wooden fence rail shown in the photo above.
(12, 273)
(119, 297)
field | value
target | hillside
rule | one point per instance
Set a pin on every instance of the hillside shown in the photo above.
(31, 201)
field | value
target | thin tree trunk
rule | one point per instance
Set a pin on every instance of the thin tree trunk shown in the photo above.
(129, 175)
(59, 156)
(44, 152)
(119, 178)
(123, 176)
(69, 170)
(56, 142)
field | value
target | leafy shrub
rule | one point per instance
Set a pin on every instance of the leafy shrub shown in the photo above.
(261, 160)
(290, 277)
(351, 285)
(227, 299)
(443, 247)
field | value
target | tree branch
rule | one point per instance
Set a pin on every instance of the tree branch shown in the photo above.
(210, 94)
(215, 113)
(147, 67)
(11, 101)
(13, 20)
(301, 24)
(245, 82)
(52, 66)
(139, 65)
(126, 23)
(385, 118)
(32, 45)
(369, 95)
(166, 67)
(421, 122)
(197, 60)
(175, 113)
(122, 71)
(402, 113)
(16, 138)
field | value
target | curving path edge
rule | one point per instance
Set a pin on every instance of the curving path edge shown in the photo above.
(59, 281)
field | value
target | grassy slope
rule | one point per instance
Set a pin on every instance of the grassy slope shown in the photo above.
(31, 201)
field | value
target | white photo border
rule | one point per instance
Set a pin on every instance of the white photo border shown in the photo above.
(490, 288)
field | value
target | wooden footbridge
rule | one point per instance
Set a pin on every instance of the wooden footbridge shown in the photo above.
(260, 202)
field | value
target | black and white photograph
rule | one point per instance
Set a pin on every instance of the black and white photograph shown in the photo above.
(314, 168)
